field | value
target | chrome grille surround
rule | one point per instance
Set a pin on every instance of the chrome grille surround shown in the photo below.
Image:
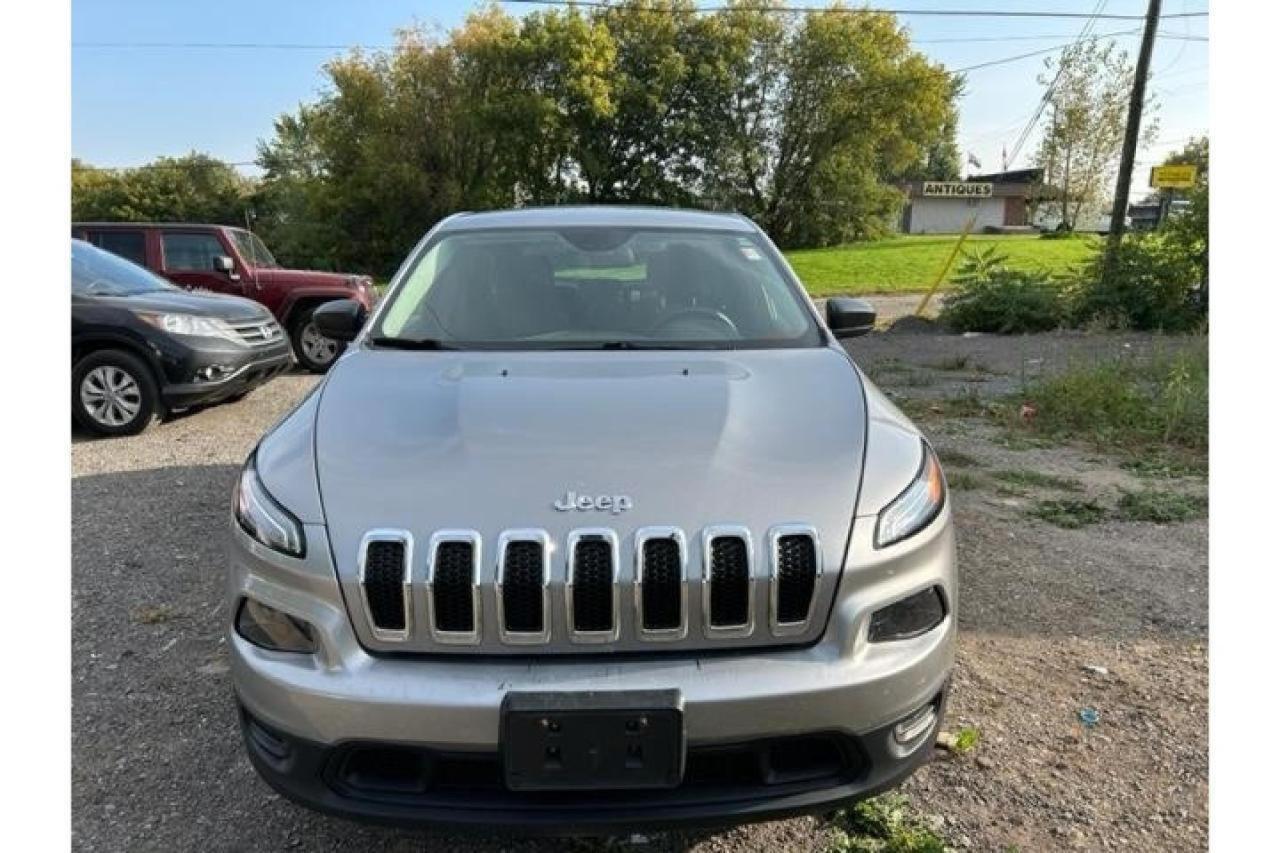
(643, 535)
(775, 535)
(709, 536)
(259, 333)
(464, 638)
(405, 538)
(518, 638)
(571, 552)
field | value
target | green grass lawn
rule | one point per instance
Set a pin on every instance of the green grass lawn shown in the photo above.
(911, 263)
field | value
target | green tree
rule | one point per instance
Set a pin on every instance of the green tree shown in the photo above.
(1089, 86)
(192, 188)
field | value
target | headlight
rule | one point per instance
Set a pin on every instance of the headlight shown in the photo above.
(263, 518)
(191, 326)
(918, 504)
(271, 629)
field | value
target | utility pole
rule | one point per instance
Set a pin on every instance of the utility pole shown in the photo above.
(1121, 204)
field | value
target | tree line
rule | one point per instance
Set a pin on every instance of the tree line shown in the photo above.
(804, 122)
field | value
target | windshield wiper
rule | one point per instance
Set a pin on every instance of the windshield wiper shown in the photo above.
(646, 345)
(410, 343)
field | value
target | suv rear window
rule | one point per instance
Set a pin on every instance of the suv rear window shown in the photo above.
(187, 251)
(131, 245)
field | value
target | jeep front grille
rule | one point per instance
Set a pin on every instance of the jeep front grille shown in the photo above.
(797, 564)
(589, 589)
(384, 583)
(727, 585)
(591, 594)
(452, 593)
(522, 587)
(661, 599)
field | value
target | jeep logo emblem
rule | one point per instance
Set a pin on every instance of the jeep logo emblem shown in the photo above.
(587, 503)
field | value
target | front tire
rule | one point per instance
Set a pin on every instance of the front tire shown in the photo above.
(113, 392)
(313, 350)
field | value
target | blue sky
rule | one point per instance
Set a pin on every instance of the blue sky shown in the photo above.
(130, 105)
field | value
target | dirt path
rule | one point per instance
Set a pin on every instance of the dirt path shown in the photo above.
(156, 758)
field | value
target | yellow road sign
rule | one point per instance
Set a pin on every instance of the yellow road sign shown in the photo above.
(1178, 177)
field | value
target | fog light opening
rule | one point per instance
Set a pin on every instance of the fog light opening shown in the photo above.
(213, 372)
(916, 725)
(271, 629)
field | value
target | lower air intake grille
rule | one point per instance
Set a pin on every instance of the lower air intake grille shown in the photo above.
(660, 585)
(451, 587)
(384, 575)
(522, 588)
(797, 572)
(593, 585)
(730, 582)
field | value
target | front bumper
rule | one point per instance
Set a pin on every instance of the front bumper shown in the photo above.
(238, 371)
(323, 705)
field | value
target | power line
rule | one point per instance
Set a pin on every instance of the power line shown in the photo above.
(939, 13)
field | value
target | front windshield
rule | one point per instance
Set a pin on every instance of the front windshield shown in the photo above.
(596, 287)
(98, 273)
(253, 250)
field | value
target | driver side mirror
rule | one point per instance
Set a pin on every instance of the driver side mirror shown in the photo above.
(226, 266)
(850, 318)
(340, 319)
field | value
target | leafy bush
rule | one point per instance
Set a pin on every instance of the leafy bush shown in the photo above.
(1149, 283)
(1161, 507)
(989, 296)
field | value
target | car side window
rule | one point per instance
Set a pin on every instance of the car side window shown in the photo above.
(131, 245)
(185, 251)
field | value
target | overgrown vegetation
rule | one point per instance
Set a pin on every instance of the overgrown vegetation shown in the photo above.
(991, 296)
(884, 824)
(1149, 283)
(1160, 507)
(1138, 405)
(1037, 479)
(1071, 513)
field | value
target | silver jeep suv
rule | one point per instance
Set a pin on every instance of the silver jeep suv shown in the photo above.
(595, 526)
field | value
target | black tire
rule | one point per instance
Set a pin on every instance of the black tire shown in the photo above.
(307, 356)
(135, 405)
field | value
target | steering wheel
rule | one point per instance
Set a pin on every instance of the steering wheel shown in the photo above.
(704, 320)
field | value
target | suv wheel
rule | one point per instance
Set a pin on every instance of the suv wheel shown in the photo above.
(113, 393)
(314, 351)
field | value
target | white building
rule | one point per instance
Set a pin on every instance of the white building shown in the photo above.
(995, 202)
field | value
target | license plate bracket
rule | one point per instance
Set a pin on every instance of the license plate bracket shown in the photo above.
(593, 740)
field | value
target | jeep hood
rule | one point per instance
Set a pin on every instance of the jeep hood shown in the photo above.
(489, 441)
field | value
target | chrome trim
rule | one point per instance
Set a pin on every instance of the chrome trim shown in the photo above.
(709, 535)
(524, 638)
(406, 578)
(571, 549)
(643, 535)
(463, 638)
(784, 629)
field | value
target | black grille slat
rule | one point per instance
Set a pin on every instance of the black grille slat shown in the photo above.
(660, 585)
(522, 588)
(797, 571)
(452, 590)
(593, 585)
(384, 584)
(730, 581)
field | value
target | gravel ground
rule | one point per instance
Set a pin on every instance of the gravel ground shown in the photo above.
(157, 762)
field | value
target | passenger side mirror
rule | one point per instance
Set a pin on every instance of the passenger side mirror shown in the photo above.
(850, 318)
(340, 319)
(224, 264)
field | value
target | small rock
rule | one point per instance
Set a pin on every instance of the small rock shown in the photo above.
(984, 762)
(1094, 669)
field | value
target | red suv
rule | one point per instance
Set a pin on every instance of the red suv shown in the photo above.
(223, 259)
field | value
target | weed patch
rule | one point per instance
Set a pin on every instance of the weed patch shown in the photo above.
(958, 458)
(963, 481)
(1038, 480)
(1161, 507)
(1071, 514)
(883, 824)
(1144, 407)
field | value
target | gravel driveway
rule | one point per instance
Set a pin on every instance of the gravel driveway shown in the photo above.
(1111, 618)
